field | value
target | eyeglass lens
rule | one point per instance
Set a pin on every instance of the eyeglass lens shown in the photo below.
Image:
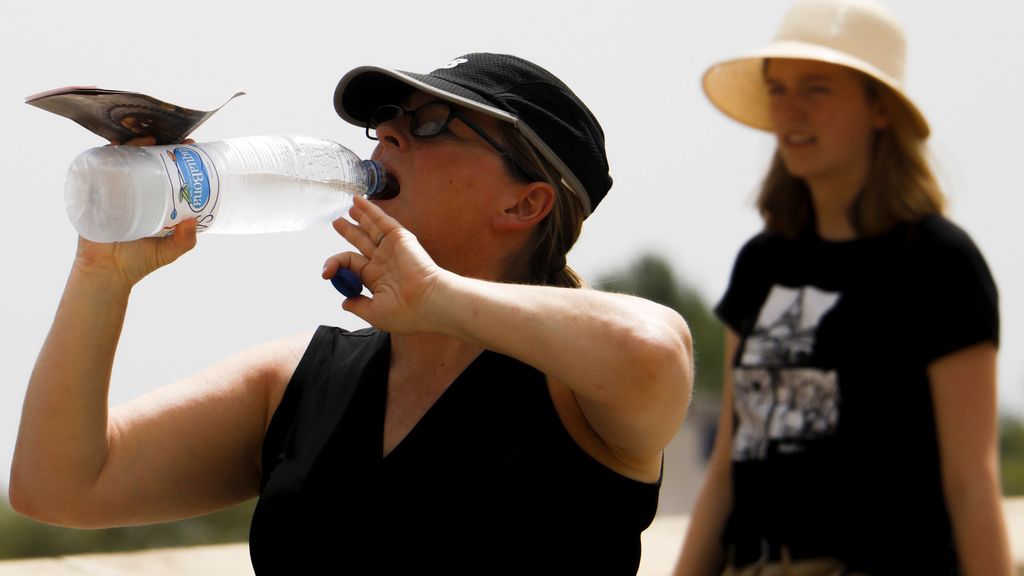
(427, 121)
(431, 119)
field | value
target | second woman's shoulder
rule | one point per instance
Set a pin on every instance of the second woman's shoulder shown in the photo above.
(941, 252)
(937, 241)
(937, 231)
(765, 250)
(761, 241)
(759, 245)
(954, 293)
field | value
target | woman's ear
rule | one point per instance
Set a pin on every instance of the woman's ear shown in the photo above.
(532, 203)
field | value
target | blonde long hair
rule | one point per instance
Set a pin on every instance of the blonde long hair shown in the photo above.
(900, 186)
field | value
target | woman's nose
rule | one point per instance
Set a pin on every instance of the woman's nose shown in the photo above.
(786, 107)
(394, 133)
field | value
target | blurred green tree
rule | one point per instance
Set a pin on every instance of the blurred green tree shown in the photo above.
(651, 277)
(1011, 455)
(21, 537)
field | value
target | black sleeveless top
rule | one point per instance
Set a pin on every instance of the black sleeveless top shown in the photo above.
(489, 481)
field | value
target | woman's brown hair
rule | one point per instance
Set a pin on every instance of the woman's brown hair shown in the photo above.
(545, 257)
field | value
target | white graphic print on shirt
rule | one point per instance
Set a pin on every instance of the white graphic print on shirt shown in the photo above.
(781, 403)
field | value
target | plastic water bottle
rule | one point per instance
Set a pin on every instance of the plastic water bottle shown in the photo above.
(236, 186)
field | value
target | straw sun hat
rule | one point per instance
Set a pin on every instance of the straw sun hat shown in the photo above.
(859, 34)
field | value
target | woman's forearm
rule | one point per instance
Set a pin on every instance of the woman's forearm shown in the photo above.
(964, 396)
(605, 346)
(980, 528)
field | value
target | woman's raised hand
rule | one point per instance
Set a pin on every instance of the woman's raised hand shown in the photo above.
(390, 261)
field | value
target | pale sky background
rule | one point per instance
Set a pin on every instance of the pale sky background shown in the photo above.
(684, 174)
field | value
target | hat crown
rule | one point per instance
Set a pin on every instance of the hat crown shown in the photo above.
(490, 75)
(861, 29)
(544, 106)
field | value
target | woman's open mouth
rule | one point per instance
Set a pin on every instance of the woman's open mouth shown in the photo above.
(392, 187)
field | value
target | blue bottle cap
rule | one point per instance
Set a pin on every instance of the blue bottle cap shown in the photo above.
(346, 282)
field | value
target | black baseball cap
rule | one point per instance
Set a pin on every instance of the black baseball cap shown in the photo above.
(542, 108)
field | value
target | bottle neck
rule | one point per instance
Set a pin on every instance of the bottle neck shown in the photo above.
(376, 177)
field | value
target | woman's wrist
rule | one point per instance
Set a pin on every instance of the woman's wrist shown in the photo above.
(101, 280)
(448, 296)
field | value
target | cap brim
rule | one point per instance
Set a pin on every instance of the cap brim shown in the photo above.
(736, 87)
(363, 89)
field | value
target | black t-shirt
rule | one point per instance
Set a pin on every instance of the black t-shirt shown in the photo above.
(834, 443)
(488, 482)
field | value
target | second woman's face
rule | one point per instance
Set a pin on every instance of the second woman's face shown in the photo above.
(823, 119)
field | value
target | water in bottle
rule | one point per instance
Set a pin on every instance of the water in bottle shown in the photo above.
(240, 185)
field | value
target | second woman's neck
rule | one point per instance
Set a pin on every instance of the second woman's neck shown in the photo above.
(833, 202)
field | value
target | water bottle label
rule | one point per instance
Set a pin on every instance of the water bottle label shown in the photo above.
(195, 186)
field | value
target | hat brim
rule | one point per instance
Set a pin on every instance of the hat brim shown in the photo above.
(363, 89)
(736, 87)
